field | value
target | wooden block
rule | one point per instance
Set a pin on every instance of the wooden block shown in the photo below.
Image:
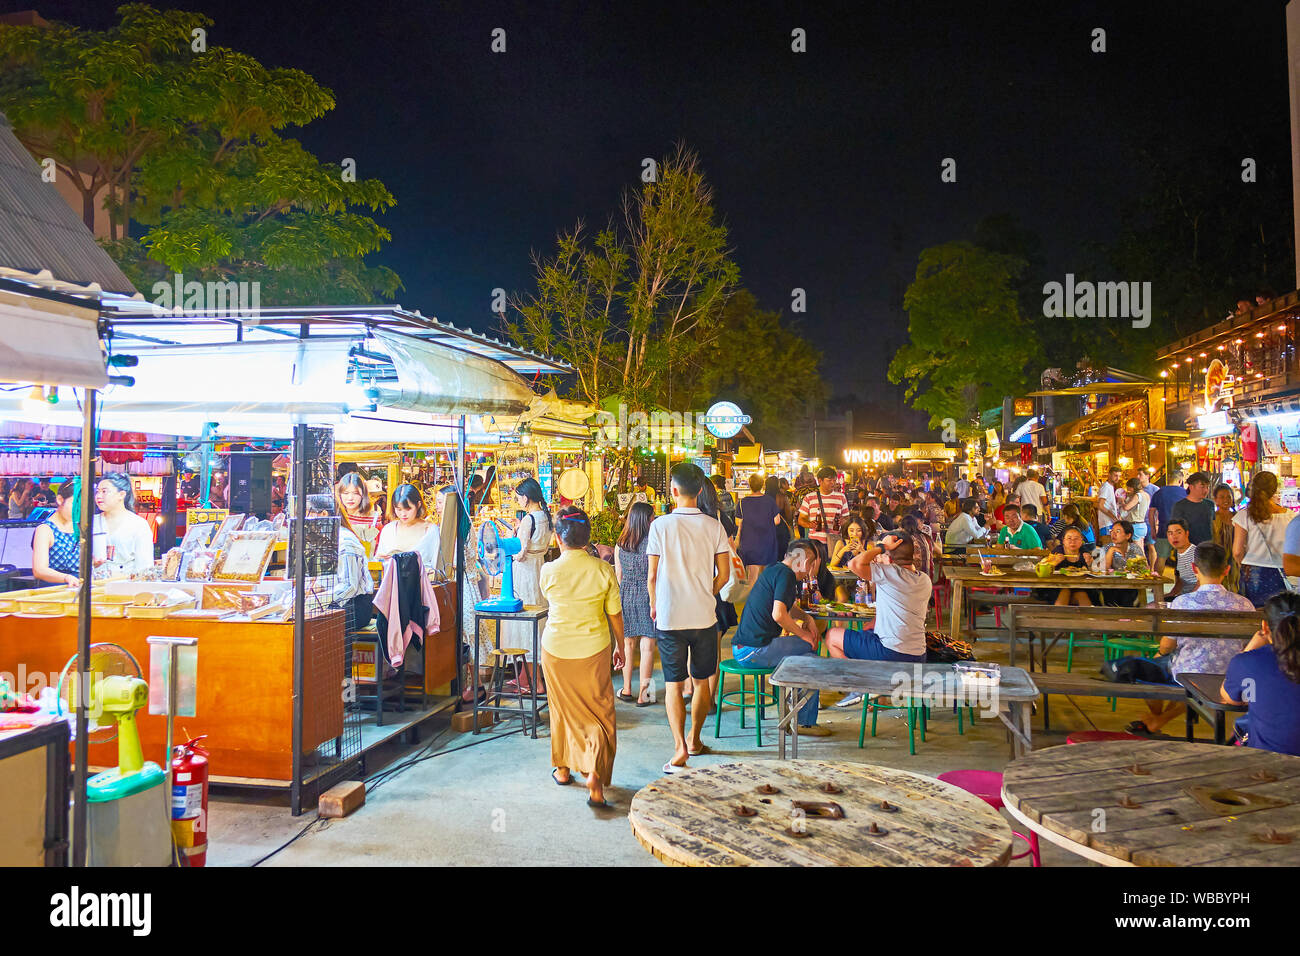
(464, 721)
(342, 799)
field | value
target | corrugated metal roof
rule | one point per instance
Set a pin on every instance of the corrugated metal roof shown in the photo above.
(39, 231)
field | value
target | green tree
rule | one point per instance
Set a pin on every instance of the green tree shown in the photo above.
(184, 140)
(969, 346)
(638, 307)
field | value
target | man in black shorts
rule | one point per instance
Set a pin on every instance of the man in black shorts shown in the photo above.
(689, 562)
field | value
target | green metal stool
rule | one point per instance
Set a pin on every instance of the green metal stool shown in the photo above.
(760, 695)
(1072, 644)
(914, 709)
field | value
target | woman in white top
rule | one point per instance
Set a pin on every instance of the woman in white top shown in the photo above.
(409, 531)
(353, 585)
(1259, 536)
(534, 532)
(121, 538)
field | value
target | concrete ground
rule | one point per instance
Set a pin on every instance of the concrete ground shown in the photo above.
(492, 803)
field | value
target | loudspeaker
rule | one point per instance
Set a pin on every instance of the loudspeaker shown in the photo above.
(250, 484)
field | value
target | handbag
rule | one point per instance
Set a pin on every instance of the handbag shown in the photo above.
(737, 587)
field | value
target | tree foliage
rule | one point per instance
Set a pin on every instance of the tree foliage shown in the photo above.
(648, 308)
(970, 344)
(186, 144)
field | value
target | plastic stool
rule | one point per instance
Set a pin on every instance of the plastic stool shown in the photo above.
(761, 696)
(1100, 736)
(987, 785)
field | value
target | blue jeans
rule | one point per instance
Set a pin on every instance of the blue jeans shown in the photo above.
(773, 654)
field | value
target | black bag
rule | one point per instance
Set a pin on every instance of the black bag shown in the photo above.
(1134, 670)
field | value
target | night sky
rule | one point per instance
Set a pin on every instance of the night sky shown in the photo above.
(825, 164)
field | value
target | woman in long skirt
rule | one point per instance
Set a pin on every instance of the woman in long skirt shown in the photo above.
(585, 613)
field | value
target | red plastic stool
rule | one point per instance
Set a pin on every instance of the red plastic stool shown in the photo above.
(1100, 736)
(987, 785)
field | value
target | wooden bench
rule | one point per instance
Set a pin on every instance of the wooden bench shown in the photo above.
(1041, 622)
(1078, 685)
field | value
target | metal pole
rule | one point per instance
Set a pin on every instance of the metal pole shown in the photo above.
(299, 570)
(459, 475)
(85, 520)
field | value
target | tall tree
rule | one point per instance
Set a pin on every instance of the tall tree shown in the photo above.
(148, 122)
(969, 344)
(637, 307)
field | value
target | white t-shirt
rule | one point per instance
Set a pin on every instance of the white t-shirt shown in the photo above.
(1107, 496)
(1031, 493)
(902, 599)
(1141, 504)
(962, 487)
(687, 542)
(1266, 541)
(132, 543)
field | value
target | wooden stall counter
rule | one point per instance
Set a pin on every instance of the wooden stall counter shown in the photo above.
(245, 684)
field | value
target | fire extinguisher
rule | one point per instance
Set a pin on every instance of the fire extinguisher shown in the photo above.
(190, 801)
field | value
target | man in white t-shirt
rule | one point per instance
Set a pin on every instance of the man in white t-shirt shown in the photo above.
(902, 601)
(962, 487)
(1107, 508)
(1031, 492)
(689, 562)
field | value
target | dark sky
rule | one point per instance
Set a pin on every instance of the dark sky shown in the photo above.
(826, 164)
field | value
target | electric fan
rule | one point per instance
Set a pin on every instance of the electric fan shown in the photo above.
(114, 693)
(127, 813)
(494, 553)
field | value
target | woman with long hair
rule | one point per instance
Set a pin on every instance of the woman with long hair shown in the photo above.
(756, 530)
(1259, 538)
(1072, 518)
(1225, 532)
(353, 500)
(1266, 678)
(997, 498)
(120, 537)
(631, 565)
(56, 553)
(534, 532)
(352, 585)
(584, 625)
(775, 488)
(20, 498)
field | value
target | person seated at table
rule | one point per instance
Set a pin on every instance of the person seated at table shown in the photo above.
(1266, 678)
(1192, 655)
(883, 520)
(1072, 555)
(773, 607)
(1183, 552)
(951, 506)
(902, 602)
(964, 529)
(1070, 518)
(1029, 514)
(1124, 545)
(925, 548)
(1017, 533)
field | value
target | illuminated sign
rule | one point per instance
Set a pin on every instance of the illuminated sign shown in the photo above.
(869, 456)
(1022, 406)
(927, 451)
(724, 419)
(1214, 424)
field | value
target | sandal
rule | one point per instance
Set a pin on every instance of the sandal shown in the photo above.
(1138, 727)
(625, 697)
(558, 781)
(704, 749)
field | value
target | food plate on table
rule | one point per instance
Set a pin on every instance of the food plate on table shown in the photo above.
(844, 608)
(994, 573)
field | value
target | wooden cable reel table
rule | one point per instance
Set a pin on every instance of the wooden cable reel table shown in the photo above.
(886, 817)
(1161, 803)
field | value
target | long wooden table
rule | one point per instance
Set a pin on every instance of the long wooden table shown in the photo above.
(966, 577)
(939, 684)
(691, 818)
(1160, 803)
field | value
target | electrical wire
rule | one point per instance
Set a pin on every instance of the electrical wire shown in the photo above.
(374, 781)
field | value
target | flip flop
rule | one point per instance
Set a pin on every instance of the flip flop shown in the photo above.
(625, 697)
(1138, 727)
(598, 805)
(704, 749)
(558, 781)
(645, 703)
(671, 769)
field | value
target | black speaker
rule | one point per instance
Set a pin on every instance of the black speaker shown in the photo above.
(250, 484)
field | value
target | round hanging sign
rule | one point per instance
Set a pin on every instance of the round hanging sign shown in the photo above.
(725, 419)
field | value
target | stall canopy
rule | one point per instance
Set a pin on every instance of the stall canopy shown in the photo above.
(1111, 416)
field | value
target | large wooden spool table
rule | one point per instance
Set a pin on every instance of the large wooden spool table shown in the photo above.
(689, 818)
(1158, 803)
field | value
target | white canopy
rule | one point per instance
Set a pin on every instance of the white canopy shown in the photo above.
(49, 342)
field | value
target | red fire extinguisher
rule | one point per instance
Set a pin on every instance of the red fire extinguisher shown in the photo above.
(190, 801)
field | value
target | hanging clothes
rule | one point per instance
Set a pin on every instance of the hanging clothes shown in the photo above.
(405, 606)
